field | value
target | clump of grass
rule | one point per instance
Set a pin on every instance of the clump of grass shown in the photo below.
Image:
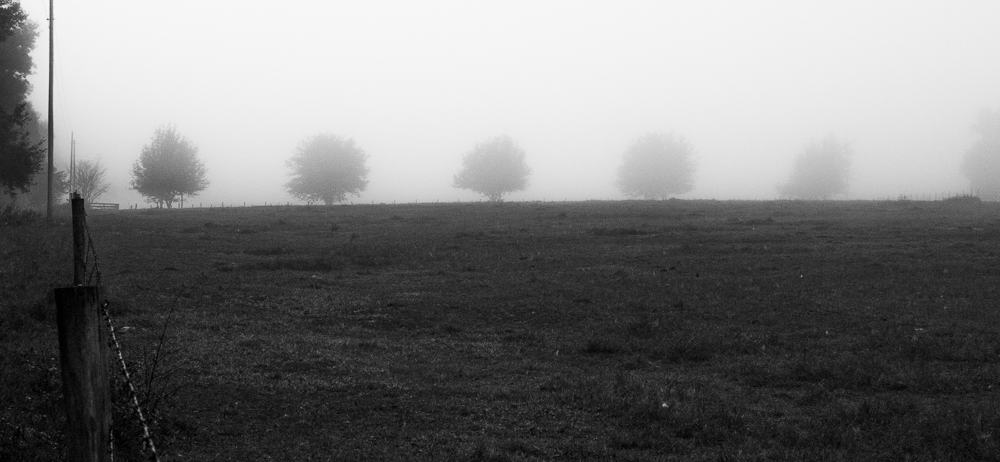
(10, 215)
(31, 256)
(602, 231)
(671, 415)
(320, 263)
(157, 372)
(269, 251)
(376, 254)
(656, 338)
(890, 427)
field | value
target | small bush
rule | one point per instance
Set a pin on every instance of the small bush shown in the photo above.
(13, 216)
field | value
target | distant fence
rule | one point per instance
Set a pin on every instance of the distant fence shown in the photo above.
(103, 206)
(944, 196)
(934, 196)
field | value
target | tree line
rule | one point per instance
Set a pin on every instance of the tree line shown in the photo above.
(330, 169)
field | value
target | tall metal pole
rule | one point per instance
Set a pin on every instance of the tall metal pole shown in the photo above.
(72, 163)
(51, 140)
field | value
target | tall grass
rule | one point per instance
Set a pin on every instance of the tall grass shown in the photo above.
(34, 257)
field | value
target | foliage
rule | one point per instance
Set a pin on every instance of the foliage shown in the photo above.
(17, 40)
(656, 166)
(20, 158)
(982, 161)
(327, 168)
(494, 168)
(89, 180)
(38, 194)
(168, 169)
(821, 171)
(20, 155)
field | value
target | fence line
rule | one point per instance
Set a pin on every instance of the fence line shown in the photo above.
(908, 196)
(83, 347)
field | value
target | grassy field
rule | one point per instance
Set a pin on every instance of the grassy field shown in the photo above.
(673, 330)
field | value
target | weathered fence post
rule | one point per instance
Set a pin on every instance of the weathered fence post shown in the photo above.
(79, 240)
(83, 355)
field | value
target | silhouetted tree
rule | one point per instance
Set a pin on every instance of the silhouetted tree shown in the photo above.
(17, 40)
(327, 168)
(88, 180)
(821, 171)
(982, 161)
(494, 168)
(38, 193)
(20, 155)
(656, 166)
(168, 169)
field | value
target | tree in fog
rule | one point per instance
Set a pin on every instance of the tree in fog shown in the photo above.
(20, 157)
(327, 168)
(38, 194)
(88, 180)
(494, 168)
(982, 161)
(20, 154)
(656, 166)
(168, 169)
(821, 171)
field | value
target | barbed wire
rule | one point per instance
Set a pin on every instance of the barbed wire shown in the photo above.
(147, 438)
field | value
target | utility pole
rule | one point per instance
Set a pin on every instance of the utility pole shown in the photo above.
(48, 206)
(72, 163)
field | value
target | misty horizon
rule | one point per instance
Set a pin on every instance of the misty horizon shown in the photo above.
(418, 86)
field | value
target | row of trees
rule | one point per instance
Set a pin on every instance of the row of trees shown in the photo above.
(330, 169)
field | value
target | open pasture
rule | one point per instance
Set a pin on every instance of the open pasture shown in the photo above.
(666, 330)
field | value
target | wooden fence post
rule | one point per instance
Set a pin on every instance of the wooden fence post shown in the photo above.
(83, 355)
(79, 239)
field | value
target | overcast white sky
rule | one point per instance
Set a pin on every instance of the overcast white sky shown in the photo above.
(418, 84)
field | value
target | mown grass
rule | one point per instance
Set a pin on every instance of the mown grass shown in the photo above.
(678, 330)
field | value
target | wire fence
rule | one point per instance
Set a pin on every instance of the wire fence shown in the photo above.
(94, 275)
(903, 196)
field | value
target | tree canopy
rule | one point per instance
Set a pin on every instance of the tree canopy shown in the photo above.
(656, 166)
(168, 169)
(20, 155)
(821, 171)
(17, 40)
(982, 161)
(327, 168)
(494, 168)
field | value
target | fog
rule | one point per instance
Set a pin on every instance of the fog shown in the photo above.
(418, 84)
